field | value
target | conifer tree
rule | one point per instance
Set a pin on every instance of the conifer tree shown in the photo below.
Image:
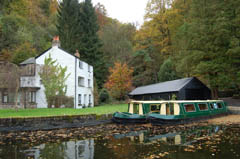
(67, 24)
(89, 43)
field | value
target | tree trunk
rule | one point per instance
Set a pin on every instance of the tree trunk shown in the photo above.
(215, 93)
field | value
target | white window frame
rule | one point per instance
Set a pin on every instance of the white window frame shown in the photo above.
(32, 97)
(89, 99)
(5, 97)
(80, 64)
(80, 81)
(79, 99)
(89, 83)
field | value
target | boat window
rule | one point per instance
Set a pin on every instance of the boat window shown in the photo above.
(169, 109)
(202, 106)
(189, 107)
(135, 108)
(219, 105)
(155, 108)
(211, 106)
(215, 106)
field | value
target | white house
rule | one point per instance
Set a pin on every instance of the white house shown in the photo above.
(79, 83)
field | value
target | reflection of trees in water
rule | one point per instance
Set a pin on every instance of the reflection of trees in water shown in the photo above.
(54, 151)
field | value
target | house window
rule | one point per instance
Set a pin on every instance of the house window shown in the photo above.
(5, 97)
(89, 83)
(28, 70)
(90, 99)
(79, 99)
(32, 97)
(81, 64)
(189, 107)
(89, 68)
(203, 106)
(80, 81)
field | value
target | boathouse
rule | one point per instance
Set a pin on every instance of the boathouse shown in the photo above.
(181, 89)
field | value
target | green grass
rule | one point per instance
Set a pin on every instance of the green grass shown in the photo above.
(44, 112)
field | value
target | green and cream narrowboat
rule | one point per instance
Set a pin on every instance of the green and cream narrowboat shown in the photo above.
(168, 112)
(171, 112)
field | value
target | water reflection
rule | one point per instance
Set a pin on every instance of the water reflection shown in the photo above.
(72, 149)
(136, 144)
(180, 138)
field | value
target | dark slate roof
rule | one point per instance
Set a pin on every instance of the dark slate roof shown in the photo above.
(169, 86)
(29, 61)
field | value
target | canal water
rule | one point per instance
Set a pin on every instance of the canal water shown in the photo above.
(201, 142)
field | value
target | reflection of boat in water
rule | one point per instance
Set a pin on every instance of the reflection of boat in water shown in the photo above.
(183, 138)
(170, 112)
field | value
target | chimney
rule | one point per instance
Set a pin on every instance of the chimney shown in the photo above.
(77, 54)
(56, 41)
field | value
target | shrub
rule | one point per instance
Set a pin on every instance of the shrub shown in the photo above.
(62, 101)
(104, 96)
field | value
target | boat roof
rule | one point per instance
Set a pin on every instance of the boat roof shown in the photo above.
(175, 101)
(163, 87)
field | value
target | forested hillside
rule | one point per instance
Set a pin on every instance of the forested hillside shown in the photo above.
(179, 38)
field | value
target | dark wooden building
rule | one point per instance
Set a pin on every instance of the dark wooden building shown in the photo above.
(181, 89)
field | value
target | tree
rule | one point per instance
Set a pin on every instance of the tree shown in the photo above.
(53, 78)
(89, 44)
(68, 24)
(167, 71)
(117, 41)
(77, 27)
(119, 82)
(10, 81)
(208, 38)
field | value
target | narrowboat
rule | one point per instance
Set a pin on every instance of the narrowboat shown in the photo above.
(174, 112)
(137, 112)
(170, 112)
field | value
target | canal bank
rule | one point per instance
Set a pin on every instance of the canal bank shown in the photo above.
(67, 121)
(53, 122)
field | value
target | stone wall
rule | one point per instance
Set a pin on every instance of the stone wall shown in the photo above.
(50, 123)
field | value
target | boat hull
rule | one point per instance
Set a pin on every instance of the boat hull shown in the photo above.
(164, 121)
(124, 118)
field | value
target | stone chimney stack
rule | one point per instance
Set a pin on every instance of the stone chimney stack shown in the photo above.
(77, 54)
(56, 41)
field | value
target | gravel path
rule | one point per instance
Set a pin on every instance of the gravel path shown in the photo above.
(229, 119)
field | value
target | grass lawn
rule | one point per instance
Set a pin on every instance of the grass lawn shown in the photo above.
(42, 112)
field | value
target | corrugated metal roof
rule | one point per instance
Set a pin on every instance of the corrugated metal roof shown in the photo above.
(169, 86)
(29, 61)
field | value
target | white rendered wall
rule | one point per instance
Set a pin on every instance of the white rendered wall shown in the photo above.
(66, 60)
(85, 90)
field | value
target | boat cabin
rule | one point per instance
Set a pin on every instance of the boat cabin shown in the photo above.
(175, 108)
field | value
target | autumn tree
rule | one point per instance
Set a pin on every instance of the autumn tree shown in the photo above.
(24, 22)
(119, 82)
